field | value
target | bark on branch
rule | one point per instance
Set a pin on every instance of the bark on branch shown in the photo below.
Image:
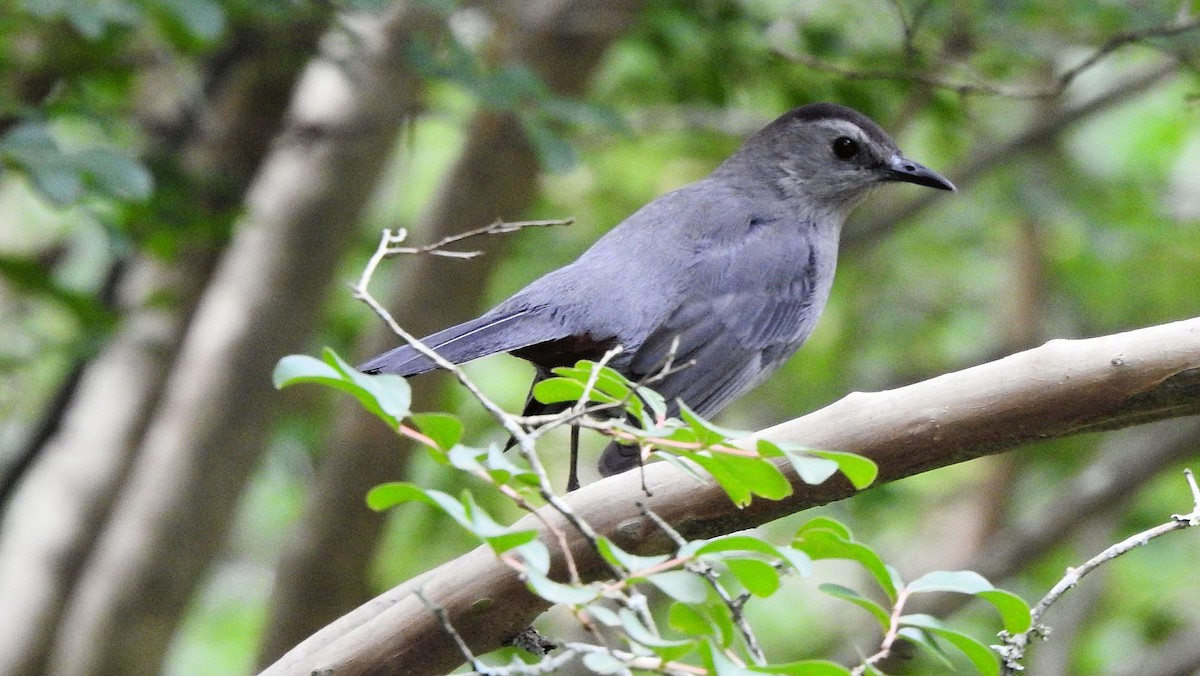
(1061, 388)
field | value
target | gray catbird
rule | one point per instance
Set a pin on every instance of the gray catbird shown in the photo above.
(736, 266)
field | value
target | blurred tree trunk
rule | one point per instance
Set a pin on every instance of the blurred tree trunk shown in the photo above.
(324, 571)
(214, 413)
(61, 505)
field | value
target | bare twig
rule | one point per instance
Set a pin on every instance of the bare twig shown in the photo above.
(448, 627)
(387, 247)
(497, 227)
(1013, 649)
(548, 665)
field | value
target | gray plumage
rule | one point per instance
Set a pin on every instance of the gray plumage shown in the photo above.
(737, 266)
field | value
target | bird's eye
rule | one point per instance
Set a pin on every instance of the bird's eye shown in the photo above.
(845, 147)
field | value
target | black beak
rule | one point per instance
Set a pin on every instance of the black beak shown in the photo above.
(900, 169)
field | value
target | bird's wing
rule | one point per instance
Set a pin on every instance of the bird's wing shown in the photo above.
(752, 305)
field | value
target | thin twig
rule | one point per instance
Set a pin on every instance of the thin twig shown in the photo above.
(447, 627)
(889, 637)
(361, 292)
(497, 227)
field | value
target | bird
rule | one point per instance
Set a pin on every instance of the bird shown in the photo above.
(727, 274)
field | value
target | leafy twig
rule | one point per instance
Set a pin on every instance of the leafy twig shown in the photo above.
(735, 605)
(387, 246)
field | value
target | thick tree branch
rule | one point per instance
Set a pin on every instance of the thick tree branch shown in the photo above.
(1061, 388)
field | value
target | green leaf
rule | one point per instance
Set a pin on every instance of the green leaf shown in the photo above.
(982, 657)
(557, 592)
(655, 402)
(684, 618)
(825, 523)
(114, 174)
(824, 538)
(638, 632)
(502, 469)
(202, 20)
(763, 477)
(444, 429)
(385, 396)
(501, 538)
(681, 585)
(961, 581)
(811, 470)
(561, 389)
(466, 458)
(301, 368)
(748, 543)
(928, 642)
(743, 476)
(727, 479)
(759, 578)
(1013, 610)
(630, 562)
(805, 668)
(535, 555)
(881, 615)
(608, 380)
(387, 495)
(722, 620)
(603, 663)
(706, 432)
(719, 664)
(466, 512)
(389, 392)
(730, 543)
(860, 470)
(604, 615)
(609, 386)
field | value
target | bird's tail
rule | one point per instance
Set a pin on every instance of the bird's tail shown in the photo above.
(477, 338)
(618, 458)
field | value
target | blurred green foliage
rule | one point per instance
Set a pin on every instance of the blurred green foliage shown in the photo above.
(1111, 207)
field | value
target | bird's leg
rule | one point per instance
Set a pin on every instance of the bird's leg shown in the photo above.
(573, 479)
